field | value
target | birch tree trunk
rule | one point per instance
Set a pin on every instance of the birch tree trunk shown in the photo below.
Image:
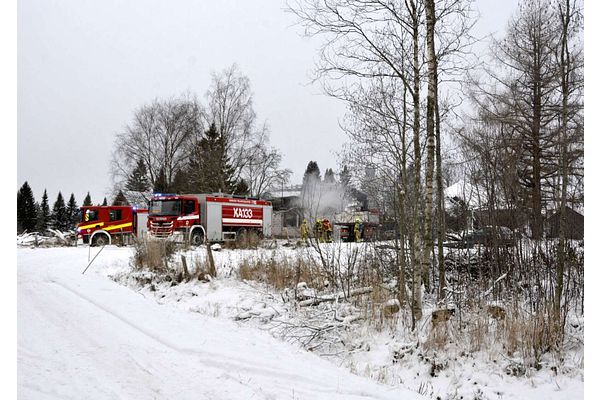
(416, 256)
(431, 105)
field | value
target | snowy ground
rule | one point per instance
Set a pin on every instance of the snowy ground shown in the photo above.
(85, 336)
(89, 336)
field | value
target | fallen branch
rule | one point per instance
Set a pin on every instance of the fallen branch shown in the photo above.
(332, 297)
(494, 284)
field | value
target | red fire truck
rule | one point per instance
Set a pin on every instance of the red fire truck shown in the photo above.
(102, 225)
(215, 218)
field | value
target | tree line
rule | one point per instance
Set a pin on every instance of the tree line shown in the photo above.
(33, 216)
(184, 146)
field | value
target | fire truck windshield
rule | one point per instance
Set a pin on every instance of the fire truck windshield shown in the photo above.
(165, 207)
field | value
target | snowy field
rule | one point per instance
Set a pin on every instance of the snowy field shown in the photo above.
(102, 335)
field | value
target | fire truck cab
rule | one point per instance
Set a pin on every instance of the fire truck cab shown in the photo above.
(102, 225)
(207, 217)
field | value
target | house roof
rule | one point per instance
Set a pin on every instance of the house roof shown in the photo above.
(471, 195)
(556, 213)
(137, 199)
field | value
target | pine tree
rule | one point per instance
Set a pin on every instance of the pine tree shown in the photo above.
(105, 203)
(26, 212)
(138, 180)
(72, 212)
(88, 200)
(120, 199)
(59, 218)
(44, 215)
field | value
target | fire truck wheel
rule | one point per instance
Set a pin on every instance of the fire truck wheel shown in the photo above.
(100, 240)
(197, 238)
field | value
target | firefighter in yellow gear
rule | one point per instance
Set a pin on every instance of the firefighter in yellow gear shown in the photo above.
(304, 230)
(319, 230)
(327, 230)
(357, 230)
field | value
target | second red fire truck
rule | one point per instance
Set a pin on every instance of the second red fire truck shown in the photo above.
(207, 217)
(102, 225)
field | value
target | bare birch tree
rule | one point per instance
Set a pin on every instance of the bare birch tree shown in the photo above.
(373, 59)
(160, 135)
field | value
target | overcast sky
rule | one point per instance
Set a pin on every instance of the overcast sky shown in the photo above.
(85, 66)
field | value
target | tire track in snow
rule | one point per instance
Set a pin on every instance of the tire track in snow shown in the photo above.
(214, 360)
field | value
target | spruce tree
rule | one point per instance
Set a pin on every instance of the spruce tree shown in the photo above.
(180, 183)
(26, 212)
(44, 215)
(241, 188)
(214, 147)
(138, 180)
(209, 169)
(329, 176)
(105, 203)
(72, 212)
(120, 199)
(38, 212)
(312, 173)
(345, 177)
(59, 218)
(88, 200)
(161, 185)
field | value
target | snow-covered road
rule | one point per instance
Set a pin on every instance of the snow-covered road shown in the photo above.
(84, 336)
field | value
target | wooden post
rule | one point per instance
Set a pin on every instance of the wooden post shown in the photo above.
(211, 262)
(186, 273)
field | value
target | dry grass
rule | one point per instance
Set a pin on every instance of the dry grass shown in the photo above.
(518, 334)
(153, 254)
(475, 326)
(280, 274)
(245, 240)
(202, 269)
(532, 335)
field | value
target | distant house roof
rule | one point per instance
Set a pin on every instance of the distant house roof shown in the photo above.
(137, 199)
(570, 212)
(286, 192)
(470, 194)
(574, 224)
